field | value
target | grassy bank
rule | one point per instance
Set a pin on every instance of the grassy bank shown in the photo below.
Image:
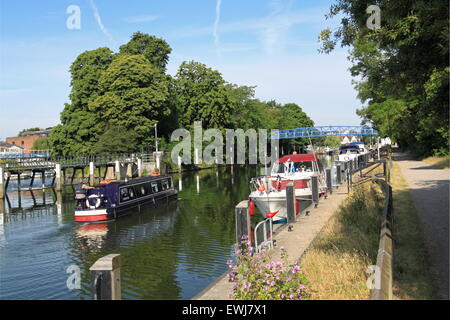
(411, 277)
(336, 262)
(438, 162)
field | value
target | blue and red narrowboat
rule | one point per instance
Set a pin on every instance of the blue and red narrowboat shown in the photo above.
(112, 199)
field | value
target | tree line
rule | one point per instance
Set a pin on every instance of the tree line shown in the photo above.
(116, 100)
(403, 67)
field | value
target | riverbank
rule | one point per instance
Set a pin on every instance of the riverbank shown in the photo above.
(295, 242)
(336, 262)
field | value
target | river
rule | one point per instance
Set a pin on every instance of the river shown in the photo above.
(169, 252)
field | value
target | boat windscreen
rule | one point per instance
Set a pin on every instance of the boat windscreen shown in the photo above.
(284, 167)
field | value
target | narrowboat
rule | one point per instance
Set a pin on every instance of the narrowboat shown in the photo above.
(112, 199)
(268, 193)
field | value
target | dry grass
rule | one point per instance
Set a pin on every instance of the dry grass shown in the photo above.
(336, 263)
(411, 277)
(438, 162)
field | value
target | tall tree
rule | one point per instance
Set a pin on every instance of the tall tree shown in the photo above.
(403, 65)
(202, 95)
(156, 50)
(75, 134)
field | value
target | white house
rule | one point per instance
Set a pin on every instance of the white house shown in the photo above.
(9, 149)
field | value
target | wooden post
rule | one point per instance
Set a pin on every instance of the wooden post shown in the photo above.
(2, 183)
(290, 202)
(338, 174)
(243, 226)
(329, 184)
(385, 170)
(315, 190)
(105, 275)
(91, 173)
(58, 177)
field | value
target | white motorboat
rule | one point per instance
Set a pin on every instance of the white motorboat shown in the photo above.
(268, 193)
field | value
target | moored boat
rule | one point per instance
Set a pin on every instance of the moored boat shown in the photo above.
(269, 192)
(112, 199)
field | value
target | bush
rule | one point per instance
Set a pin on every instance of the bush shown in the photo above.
(256, 277)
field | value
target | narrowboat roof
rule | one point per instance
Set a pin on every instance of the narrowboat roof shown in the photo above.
(136, 180)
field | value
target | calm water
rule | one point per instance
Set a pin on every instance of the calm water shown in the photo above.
(169, 252)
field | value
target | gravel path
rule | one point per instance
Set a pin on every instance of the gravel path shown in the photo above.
(429, 190)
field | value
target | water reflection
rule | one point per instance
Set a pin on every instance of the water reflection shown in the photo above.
(170, 252)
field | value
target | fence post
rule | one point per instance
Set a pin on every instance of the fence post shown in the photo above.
(329, 184)
(243, 226)
(105, 275)
(315, 190)
(290, 202)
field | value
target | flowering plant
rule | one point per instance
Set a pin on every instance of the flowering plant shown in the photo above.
(256, 277)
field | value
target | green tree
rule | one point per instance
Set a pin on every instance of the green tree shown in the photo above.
(403, 67)
(77, 132)
(42, 144)
(134, 96)
(156, 50)
(202, 95)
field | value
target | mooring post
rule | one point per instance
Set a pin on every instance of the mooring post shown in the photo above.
(91, 173)
(329, 184)
(105, 275)
(2, 183)
(290, 202)
(243, 223)
(338, 174)
(58, 177)
(315, 190)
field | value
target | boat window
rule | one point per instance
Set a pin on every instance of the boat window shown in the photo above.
(124, 195)
(154, 186)
(140, 190)
(165, 184)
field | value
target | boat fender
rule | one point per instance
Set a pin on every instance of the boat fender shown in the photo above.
(251, 207)
(261, 189)
(97, 202)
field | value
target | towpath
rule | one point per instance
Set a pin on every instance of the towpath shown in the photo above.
(429, 189)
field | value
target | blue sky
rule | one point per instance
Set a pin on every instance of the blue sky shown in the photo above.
(271, 44)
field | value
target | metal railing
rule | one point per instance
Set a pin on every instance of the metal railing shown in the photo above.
(267, 235)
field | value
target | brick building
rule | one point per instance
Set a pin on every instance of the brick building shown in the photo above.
(27, 139)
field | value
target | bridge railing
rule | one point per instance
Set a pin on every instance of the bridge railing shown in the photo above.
(82, 161)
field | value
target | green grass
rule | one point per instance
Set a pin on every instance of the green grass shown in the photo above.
(336, 263)
(411, 276)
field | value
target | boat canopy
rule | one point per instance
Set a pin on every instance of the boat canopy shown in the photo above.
(308, 157)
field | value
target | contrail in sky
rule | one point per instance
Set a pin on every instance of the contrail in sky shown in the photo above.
(216, 28)
(100, 23)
